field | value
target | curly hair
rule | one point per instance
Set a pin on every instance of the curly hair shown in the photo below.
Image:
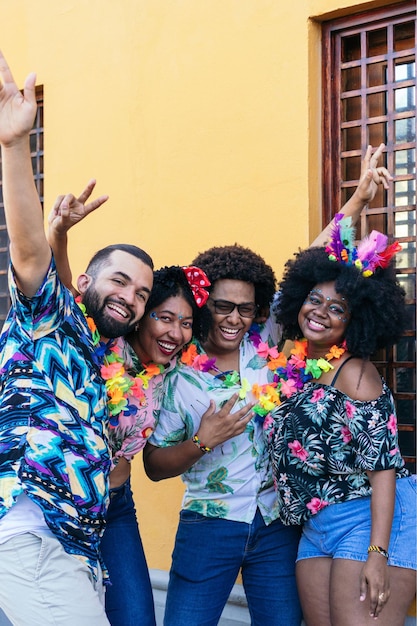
(376, 304)
(170, 282)
(239, 263)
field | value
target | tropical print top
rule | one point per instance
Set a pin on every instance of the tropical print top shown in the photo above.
(235, 478)
(322, 443)
(130, 429)
(52, 416)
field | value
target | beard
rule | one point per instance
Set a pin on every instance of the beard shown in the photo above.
(106, 326)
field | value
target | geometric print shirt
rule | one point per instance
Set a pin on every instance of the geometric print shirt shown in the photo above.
(53, 417)
(322, 443)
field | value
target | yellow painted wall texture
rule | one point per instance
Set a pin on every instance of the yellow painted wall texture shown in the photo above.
(200, 118)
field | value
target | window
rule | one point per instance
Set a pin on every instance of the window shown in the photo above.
(36, 148)
(369, 82)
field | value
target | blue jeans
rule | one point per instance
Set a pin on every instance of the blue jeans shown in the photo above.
(207, 557)
(129, 599)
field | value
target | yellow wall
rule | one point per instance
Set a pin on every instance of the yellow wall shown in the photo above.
(200, 118)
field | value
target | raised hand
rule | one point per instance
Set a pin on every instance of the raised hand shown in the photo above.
(69, 210)
(17, 110)
(372, 175)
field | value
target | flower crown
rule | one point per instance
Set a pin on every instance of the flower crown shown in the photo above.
(370, 253)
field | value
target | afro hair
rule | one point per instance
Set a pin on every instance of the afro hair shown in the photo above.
(376, 303)
(239, 263)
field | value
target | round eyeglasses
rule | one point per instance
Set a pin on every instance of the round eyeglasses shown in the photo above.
(224, 307)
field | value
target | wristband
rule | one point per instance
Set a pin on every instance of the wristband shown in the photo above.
(378, 549)
(201, 446)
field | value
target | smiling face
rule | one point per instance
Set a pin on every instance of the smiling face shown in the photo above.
(228, 329)
(164, 331)
(324, 316)
(116, 297)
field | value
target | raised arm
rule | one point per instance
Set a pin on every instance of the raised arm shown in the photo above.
(371, 177)
(29, 249)
(66, 212)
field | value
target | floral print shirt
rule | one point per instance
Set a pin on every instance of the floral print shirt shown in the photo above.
(322, 443)
(53, 417)
(235, 478)
(130, 429)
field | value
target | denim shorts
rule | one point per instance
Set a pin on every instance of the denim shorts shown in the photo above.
(343, 531)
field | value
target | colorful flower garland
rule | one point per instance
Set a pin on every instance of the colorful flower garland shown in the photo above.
(290, 374)
(120, 385)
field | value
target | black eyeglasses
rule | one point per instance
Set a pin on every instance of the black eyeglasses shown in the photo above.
(224, 307)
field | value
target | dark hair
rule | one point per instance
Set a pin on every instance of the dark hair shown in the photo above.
(376, 304)
(100, 257)
(172, 281)
(239, 263)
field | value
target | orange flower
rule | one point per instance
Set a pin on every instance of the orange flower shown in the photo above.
(189, 354)
(279, 361)
(300, 348)
(91, 324)
(335, 353)
(152, 369)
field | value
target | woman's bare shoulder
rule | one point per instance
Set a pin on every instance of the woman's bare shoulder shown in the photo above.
(360, 380)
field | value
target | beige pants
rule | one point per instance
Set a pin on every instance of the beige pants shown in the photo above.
(40, 584)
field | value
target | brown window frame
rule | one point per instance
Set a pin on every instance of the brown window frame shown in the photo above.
(340, 179)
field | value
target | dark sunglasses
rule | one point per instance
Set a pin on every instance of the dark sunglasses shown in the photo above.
(224, 307)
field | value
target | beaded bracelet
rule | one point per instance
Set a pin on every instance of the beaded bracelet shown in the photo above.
(378, 549)
(201, 446)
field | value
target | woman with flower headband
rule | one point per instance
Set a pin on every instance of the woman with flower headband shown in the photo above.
(133, 371)
(333, 441)
(229, 518)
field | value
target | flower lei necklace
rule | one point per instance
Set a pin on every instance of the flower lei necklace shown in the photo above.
(289, 374)
(298, 369)
(120, 385)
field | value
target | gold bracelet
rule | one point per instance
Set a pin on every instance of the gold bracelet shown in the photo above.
(201, 446)
(378, 549)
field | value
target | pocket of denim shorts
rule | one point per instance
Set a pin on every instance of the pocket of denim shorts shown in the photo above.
(406, 492)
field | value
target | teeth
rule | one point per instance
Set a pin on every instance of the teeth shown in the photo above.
(119, 310)
(229, 331)
(317, 325)
(167, 346)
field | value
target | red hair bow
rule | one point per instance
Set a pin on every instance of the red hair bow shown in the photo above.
(197, 280)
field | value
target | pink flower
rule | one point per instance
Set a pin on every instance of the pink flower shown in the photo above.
(392, 424)
(318, 394)
(268, 422)
(298, 450)
(350, 410)
(296, 361)
(262, 349)
(346, 434)
(288, 387)
(112, 370)
(315, 505)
